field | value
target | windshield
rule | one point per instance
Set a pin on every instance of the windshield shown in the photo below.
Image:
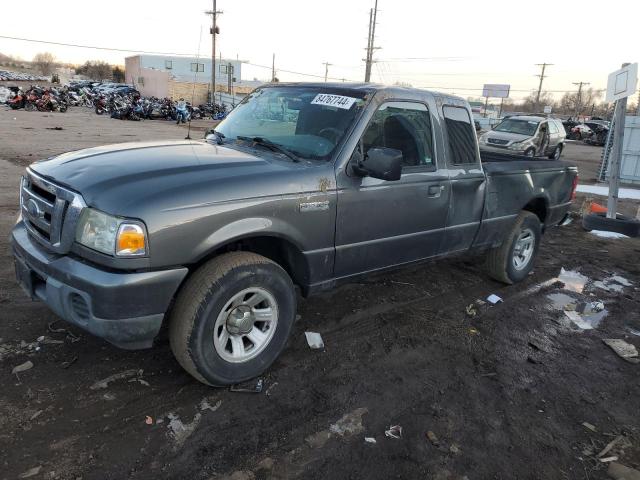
(308, 121)
(521, 127)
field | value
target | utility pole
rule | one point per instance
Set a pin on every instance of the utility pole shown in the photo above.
(371, 42)
(579, 96)
(273, 68)
(214, 31)
(326, 70)
(542, 77)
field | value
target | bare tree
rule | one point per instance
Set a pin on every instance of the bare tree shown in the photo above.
(45, 62)
(96, 70)
(570, 103)
(529, 103)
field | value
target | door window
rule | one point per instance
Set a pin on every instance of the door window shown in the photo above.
(462, 136)
(404, 126)
(553, 128)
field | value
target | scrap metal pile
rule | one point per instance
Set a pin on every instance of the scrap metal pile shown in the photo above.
(120, 101)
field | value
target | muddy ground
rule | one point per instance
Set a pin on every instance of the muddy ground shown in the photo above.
(504, 393)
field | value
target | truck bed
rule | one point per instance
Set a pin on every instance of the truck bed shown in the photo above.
(516, 182)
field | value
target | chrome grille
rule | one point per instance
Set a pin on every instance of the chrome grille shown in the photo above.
(50, 212)
(497, 141)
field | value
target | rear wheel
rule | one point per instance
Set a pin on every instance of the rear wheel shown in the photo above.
(513, 260)
(232, 318)
(556, 153)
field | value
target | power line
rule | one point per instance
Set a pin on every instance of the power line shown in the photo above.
(98, 48)
(422, 59)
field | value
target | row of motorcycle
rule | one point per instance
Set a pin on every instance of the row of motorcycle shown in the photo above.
(124, 106)
(41, 99)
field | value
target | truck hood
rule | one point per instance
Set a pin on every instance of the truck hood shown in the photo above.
(115, 178)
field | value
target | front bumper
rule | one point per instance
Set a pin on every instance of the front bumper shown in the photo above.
(124, 308)
(487, 147)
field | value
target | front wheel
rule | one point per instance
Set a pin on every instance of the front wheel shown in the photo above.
(232, 318)
(530, 152)
(513, 260)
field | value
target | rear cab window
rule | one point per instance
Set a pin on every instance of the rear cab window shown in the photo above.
(461, 134)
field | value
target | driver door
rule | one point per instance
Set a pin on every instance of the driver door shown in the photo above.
(384, 223)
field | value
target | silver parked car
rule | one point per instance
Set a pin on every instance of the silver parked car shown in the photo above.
(529, 135)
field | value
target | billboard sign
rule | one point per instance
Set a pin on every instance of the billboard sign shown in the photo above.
(496, 90)
(622, 83)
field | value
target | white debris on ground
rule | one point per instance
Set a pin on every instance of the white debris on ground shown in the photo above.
(605, 234)
(349, 424)
(603, 190)
(580, 310)
(180, 431)
(623, 349)
(314, 340)
(493, 299)
(205, 405)
(104, 383)
(614, 283)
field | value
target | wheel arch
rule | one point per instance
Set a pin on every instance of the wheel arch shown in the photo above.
(272, 245)
(540, 207)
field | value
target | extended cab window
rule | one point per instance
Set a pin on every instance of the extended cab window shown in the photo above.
(405, 126)
(462, 135)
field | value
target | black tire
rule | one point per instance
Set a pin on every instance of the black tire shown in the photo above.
(621, 224)
(202, 300)
(555, 155)
(500, 261)
(530, 152)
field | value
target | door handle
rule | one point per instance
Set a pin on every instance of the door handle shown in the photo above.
(435, 191)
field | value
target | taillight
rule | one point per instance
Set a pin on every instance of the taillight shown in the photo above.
(574, 187)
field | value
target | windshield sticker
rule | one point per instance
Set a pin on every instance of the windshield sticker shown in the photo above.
(338, 101)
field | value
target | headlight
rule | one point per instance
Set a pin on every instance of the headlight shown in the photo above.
(516, 146)
(483, 139)
(111, 235)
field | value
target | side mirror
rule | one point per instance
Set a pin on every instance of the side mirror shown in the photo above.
(380, 162)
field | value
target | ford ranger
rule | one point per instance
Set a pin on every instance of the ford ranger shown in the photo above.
(301, 188)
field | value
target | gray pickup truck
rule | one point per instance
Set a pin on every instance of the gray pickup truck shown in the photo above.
(302, 186)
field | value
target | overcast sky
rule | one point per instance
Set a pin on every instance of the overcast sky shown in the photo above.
(465, 43)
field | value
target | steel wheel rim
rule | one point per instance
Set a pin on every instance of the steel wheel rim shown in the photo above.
(246, 325)
(556, 154)
(530, 153)
(523, 249)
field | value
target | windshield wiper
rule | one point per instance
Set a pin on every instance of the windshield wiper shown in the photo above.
(270, 145)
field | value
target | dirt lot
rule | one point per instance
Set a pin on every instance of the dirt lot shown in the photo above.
(504, 393)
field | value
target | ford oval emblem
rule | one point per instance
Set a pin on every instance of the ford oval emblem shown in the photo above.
(34, 209)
